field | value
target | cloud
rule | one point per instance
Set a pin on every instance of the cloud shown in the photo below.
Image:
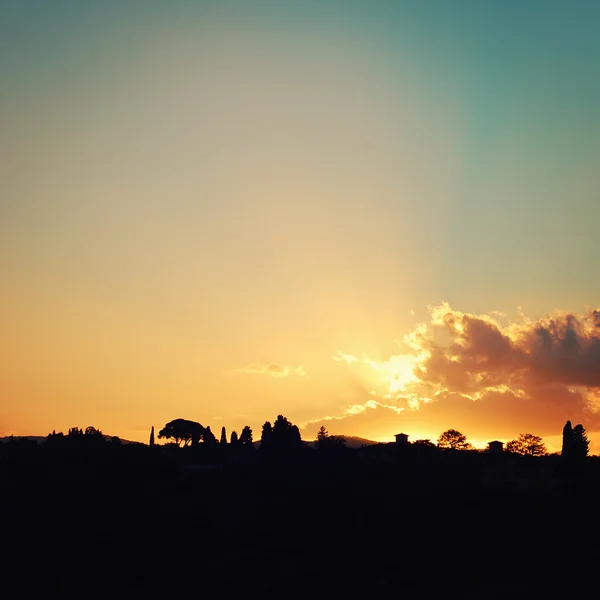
(271, 369)
(560, 349)
(534, 373)
(354, 409)
(340, 357)
(394, 374)
(497, 379)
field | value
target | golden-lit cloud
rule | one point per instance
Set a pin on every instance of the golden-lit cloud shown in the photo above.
(395, 373)
(340, 357)
(561, 349)
(355, 409)
(272, 370)
(487, 373)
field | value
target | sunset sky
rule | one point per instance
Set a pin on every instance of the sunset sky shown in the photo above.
(377, 216)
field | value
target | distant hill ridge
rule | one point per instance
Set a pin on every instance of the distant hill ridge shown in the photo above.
(34, 438)
(351, 440)
(38, 439)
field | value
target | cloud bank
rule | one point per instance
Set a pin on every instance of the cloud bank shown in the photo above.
(487, 374)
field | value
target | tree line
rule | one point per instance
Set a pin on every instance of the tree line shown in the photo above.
(283, 437)
(575, 443)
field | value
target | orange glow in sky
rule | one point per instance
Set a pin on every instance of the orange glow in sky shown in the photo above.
(223, 215)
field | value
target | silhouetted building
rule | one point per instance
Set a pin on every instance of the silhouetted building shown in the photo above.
(496, 447)
(401, 438)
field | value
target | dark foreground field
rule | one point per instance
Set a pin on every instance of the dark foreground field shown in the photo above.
(130, 525)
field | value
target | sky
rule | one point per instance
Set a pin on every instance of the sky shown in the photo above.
(377, 217)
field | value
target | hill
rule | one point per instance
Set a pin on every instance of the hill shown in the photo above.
(38, 439)
(351, 442)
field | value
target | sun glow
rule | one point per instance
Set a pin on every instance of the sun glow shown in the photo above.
(397, 372)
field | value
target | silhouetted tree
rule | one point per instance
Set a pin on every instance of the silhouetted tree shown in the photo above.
(451, 438)
(92, 436)
(93, 432)
(527, 444)
(223, 435)
(208, 437)
(176, 431)
(182, 432)
(322, 434)
(575, 445)
(567, 441)
(152, 436)
(246, 437)
(86, 437)
(286, 437)
(266, 436)
(234, 438)
(55, 439)
(326, 441)
(424, 443)
(581, 444)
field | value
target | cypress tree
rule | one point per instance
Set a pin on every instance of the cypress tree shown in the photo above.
(266, 437)
(567, 441)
